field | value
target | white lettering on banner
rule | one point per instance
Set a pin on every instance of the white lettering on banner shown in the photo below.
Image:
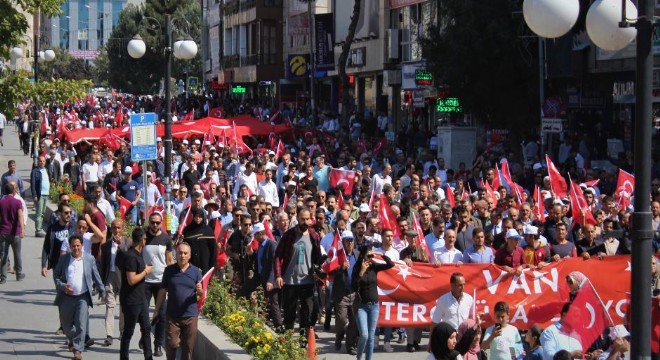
(401, 312)
(520, 315)
(388, 308)
(492, 285)
(520, 282)
(540, 277)
(418, 313)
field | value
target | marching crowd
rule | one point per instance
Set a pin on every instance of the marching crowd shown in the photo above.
(275, 218)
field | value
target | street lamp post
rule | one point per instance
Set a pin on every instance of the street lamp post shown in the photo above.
(612, 25)
(182, 49)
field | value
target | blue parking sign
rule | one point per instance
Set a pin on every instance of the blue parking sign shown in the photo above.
(143, 137)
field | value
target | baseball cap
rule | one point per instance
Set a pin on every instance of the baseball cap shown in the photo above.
(364, 208)
(175, 187)
(128, 170)
(148, 173)
(513, 234)
(214, 215)
(411, 232)
(271, 152)
(537, 166)
(185, 141)
(291, 183)
(197, 142)
(530, 230)
(347, 235)
(257, 228)
(159, 139)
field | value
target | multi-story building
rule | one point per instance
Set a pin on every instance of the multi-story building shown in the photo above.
(252, 47)
(85, 25)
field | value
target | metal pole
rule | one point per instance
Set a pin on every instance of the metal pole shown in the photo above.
(541, 89)
(168, 122)
(641, 233)
(35, 135)
(145, 186)
(312, 42)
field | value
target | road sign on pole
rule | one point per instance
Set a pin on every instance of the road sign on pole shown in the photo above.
(143, 137)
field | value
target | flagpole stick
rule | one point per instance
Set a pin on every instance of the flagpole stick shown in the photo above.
(601, 302)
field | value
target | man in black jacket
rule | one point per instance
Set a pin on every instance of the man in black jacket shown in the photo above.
(344, 298)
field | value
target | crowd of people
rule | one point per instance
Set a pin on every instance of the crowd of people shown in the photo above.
(270, 219)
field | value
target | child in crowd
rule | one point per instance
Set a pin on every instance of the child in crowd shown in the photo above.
(503, 339)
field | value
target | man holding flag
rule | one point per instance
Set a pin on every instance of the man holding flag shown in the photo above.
(343, 294)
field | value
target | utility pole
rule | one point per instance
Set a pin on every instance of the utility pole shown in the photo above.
(312, 60)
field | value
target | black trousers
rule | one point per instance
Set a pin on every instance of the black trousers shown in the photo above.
(135, 314)
(291, 295)
(151, 290)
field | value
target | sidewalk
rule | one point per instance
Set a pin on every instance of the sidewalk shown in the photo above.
(29, 318)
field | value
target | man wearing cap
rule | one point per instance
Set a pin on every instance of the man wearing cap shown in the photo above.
(511, 256)
(106, 165)
(128, 189)
(110, 184)
(343, 296)
(264, 257)
(536, 254)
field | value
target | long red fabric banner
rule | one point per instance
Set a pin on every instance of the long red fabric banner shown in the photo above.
(408, 295)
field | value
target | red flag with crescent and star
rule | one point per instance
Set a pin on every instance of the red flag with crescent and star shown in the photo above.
(579, 206)
(449, 194)
(343, 177)
(386, 217)
(625, 186)
(557, 182)
(539, 208)
(336, 255)
(587, 316)
(205, 286)
(124, 206)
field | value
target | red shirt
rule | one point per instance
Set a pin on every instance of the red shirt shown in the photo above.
(512, 259)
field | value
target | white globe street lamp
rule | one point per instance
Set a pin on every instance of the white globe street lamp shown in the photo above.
(136, 47)
(187, 49)
(16, 53)
(603, 24)
(49, 55)
(551, 18)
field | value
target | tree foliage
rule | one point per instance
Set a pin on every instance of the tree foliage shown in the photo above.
(143, 76)
(65, 66)
(16, 87)
(13, 24)
(476, 52)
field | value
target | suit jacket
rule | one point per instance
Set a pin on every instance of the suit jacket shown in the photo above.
(90, 276)
(341, 285)
(54, 170)
(267, 261)
(106, 256)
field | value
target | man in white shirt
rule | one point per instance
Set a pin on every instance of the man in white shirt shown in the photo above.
(268, 189)
(455, 306)
(247, 177)
(3, 122)
(379, 180)
(448, 254)
(106, 165)
(90, 173)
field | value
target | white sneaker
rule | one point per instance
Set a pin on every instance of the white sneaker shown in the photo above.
(387, 348)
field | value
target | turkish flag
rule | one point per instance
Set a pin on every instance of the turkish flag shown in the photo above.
(119, 117)
(592, 183)
(579, 205)
(506, 173)
(187, 219)
(380, 145)
(336, 255)
(269, 232)
(655, 325)
(518, 190)
(210, 138)
(216, 112)
(44, 124)
(489, 191)
(420, 234)
(386, 217)
(346, 178)
(280, 150)
(497, 182)
(190, 116)
(124, 207)
(205, 286)
(625, 186)
(109, 140)
(539, 208)
(545, 312)
(272, 140)
(449, 194)
(587, 316)
(557, 182)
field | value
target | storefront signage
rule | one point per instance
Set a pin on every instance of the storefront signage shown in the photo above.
(448, 105)
(357, 57)
(408, 72)
(325, 41)
(623, 92)
(238, 89)
(297, 66)
(423, 77)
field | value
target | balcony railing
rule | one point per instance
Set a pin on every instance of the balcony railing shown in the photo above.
(232, 7)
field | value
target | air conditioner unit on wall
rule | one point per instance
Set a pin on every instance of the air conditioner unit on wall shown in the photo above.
(393, 44)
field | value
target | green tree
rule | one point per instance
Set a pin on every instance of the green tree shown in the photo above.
(13, 23)
(65, 66)
(146, 73)
(476, 53)
(101, 68)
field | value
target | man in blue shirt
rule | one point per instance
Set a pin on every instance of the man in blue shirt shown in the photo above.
(183, 283)
(128, 189)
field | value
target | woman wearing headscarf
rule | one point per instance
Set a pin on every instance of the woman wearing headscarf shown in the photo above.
(469, 339)
(363, 281)
(443, 342)
(201, 239)
(575, 281)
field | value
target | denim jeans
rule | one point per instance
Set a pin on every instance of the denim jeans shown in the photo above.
(5, 242)
(39, 217)
(367, 319)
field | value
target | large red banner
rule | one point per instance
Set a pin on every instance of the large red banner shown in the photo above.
(408, 295)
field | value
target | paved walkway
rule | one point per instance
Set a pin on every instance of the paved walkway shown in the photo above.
(28, 318)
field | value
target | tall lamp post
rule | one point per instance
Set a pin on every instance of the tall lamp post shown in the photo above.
(182, 49)
(612, 25)
(39, 56)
